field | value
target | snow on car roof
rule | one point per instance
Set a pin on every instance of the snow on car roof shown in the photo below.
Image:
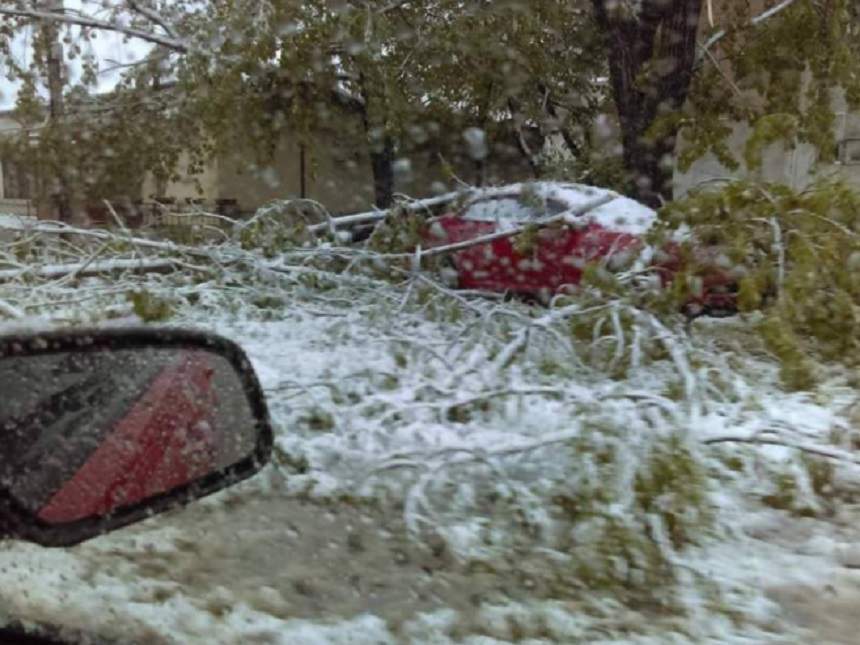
(621, 214)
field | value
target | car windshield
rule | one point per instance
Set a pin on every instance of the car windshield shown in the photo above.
(555, 305)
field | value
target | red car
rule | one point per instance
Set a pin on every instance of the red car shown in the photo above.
(165, 439)
(612, 233)
(154, 430)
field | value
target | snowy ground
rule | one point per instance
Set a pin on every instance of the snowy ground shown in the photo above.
(421, 439)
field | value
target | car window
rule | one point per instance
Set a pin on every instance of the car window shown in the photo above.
(511, 209)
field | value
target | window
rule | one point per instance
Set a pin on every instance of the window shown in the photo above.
(510, 208)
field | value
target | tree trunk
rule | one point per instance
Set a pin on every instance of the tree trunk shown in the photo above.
(380, 143)
(651, 57)
(61, 198)
(525, 149)
(648, 161)
(382, 164)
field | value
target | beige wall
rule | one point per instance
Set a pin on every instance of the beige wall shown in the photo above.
(338, 171)
(186, 187)
(337, 175)
(796, 167)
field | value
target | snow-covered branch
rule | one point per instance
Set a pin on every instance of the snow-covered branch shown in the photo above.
(828, 452)
(153, 17)
(59, 228)
(542, 223)
(89, 269)
(756, 20)
(369, 217)
(173, 43)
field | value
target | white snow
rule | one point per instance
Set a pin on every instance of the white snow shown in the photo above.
(17, 222)
(621, 214)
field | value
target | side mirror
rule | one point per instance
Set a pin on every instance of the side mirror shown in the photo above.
(103, 428)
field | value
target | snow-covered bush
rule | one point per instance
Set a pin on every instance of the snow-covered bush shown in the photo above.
(799, 255)
(632, 503)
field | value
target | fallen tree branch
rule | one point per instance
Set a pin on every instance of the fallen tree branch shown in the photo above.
(368, 217)
(498, 235)
(81, 270)
(469, 454)
(121, 224)
(82, 266)
(59, 228)
(819, 451)
(10, 310)
(521, 338)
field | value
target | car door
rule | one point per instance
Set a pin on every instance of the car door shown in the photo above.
(507, 263)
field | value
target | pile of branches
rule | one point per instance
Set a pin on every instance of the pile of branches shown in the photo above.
(645, 414)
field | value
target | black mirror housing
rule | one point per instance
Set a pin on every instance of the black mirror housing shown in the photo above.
(112, 444)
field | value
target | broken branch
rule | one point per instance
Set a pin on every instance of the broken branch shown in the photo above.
(541, 223)
(88, 269)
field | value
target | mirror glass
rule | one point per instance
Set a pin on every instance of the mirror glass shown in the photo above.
(86, 433)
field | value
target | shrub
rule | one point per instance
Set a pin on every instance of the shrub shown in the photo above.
(630, 513)
(796, 255)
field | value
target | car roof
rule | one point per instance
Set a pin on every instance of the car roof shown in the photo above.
(622, 213)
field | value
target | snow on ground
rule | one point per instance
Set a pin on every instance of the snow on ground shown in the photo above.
(12, 225)
(421, 437)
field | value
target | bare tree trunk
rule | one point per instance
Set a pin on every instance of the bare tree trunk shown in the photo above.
(531, 156)
(651, 58)
(380, 145)
(382, 164)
